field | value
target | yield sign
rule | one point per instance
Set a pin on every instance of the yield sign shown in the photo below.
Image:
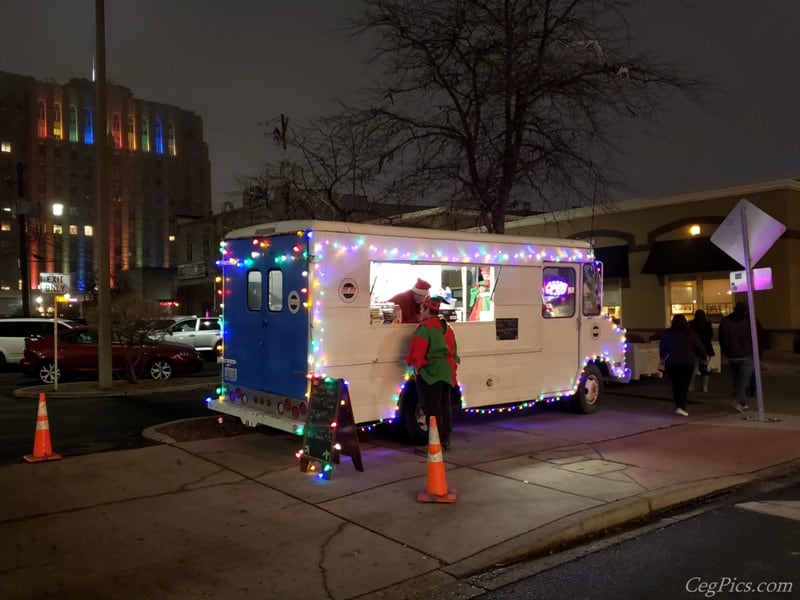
(762, 231)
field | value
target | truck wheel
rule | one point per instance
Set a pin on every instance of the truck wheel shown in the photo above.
(412, 416)
(590, 389)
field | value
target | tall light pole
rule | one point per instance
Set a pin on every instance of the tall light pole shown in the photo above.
(22, 223)
(102, 209)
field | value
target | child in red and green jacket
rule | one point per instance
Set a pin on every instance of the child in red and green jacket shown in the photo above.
(433, 354)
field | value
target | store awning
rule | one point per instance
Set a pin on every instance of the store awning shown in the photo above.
(614, 259)
(692, 255)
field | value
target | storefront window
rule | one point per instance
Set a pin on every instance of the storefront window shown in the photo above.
(612, 299)
(682, 298)
(712, 294)
(717, 298)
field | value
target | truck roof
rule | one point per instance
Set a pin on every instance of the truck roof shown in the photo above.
(283, 227)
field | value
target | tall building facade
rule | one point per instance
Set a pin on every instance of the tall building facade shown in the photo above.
(158, 175)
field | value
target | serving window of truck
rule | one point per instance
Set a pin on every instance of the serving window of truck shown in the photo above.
(314, 298)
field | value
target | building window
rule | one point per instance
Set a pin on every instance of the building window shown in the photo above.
(189, 249)
(88, 128)
(73, 123)
(57, 229)
(5, 226)
(171, 139)
(159, 138)
(41, 119)
(145, 135)
(5, 147)
(131, 133)
(57, 131)
(88, 231)
(116, 130)
(73, 230)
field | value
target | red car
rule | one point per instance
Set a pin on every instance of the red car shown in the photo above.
(77, 356)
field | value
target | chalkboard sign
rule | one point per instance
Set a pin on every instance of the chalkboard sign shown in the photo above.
(330, 428)
(506, 329)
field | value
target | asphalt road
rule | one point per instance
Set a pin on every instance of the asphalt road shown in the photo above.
(744, 546)
(87, 425)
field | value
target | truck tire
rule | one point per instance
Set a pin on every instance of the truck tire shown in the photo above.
(590, 390)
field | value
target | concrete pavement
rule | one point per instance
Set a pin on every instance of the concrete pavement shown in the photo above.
(235, 518)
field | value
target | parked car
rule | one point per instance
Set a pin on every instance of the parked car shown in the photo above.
(13, 332)
(77, 356)
(202, 333)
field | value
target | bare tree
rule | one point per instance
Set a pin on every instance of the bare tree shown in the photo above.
(327, 172)
(483, 103)
(135, 322)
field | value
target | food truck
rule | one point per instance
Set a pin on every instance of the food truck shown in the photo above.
(306, 299)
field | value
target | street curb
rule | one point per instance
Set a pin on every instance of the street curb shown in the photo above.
(575, 528)
(151, 434)
(130, 390)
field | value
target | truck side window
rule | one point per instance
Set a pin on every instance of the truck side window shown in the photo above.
(591, 290)
(558, 292)
(254, 290)
(275, 290)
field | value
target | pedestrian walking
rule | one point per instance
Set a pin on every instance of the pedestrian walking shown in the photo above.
(433, 354)
(702, 327)
(736, 344)
(679, 348)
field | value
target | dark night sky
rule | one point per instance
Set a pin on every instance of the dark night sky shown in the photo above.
(239, 63)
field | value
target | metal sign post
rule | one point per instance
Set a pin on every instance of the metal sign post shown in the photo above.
(751, 311)
(55, 343)
(745, 235)
(58, 284)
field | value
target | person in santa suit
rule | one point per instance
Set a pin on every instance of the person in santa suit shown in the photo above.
(433, 354)
(410, 301)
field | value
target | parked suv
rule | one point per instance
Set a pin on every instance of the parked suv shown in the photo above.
(204, 333)
(13, 332)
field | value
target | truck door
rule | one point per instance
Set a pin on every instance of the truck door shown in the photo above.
(591, 327)
(559, 328)
(266, 328)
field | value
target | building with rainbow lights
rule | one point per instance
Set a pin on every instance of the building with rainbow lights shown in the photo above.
(159, 176)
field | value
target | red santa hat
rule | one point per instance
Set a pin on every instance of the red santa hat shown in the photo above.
(421, 287)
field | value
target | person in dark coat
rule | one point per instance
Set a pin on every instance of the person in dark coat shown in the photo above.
(680, 348)
(702, 327)
(736, 344)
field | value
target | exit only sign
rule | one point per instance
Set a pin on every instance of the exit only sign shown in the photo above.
(54, 283)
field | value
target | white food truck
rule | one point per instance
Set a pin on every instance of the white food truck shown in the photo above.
(310, 298)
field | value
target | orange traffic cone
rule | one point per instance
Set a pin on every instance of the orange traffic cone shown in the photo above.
(42, 450)
(436, 489)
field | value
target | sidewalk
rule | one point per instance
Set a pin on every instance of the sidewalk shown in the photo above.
(235, 518)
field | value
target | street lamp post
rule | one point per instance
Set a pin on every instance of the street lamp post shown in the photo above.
(22, 223)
